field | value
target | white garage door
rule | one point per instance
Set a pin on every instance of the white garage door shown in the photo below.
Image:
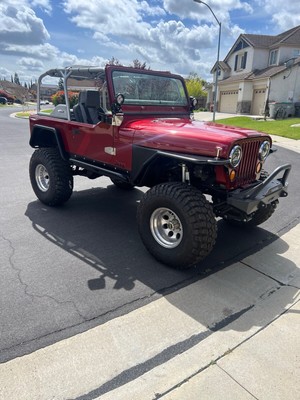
(228, 101)
(258, 103)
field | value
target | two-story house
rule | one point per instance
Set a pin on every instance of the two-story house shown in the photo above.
(258, 70)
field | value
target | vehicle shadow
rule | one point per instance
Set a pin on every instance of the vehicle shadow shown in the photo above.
(97, 229)
(248, 293)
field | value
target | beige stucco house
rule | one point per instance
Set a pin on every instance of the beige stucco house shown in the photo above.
(259, 70)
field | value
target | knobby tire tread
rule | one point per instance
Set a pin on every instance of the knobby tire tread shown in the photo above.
(199, 216)
(61, 181)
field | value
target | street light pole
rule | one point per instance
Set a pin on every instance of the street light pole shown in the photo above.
(218, 56)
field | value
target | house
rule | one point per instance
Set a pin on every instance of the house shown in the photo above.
(14, 92)
(259, 70)
(48, 90)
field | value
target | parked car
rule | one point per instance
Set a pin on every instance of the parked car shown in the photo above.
(3, 100)
(136, 128)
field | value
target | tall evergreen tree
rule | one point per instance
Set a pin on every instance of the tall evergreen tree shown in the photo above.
(16, 79)
(61, 84)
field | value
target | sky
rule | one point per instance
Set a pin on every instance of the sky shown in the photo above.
(180, 36)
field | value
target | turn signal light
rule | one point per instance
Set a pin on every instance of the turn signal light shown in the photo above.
(232, 175)
(258, 167)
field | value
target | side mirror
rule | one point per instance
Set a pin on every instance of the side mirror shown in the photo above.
(116, 110)
(116, 106)
(193, 103)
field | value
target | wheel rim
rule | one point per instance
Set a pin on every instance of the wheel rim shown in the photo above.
(166, 228)
(42, 178)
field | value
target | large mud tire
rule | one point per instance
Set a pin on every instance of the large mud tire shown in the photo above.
(176, 224)
(51, 177)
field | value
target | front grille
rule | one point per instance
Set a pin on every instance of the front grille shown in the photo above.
(247, 167)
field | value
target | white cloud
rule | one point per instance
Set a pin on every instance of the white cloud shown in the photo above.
(200, 12)
(20, 26)
(180, 36)
(284, 13)
(4, 73)
(31, 64)
(130, 32)
(43, 4)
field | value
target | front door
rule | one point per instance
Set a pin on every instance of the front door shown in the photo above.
(93, 142)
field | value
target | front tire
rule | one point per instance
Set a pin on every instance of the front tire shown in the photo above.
(51, 177)
(176, 224)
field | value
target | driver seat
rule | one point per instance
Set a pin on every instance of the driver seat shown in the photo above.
(87, 109)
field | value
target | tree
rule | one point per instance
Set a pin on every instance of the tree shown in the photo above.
(138, 64)
(16, 79)
(61, 84)
(114, 61)
(135, 63)
(195, 85)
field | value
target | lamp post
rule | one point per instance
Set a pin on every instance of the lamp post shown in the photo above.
(218, 56)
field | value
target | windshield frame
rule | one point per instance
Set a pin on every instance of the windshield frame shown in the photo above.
(149, 88)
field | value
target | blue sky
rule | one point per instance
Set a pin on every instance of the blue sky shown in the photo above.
(175, 35)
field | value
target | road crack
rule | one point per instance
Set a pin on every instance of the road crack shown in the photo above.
(27, 287)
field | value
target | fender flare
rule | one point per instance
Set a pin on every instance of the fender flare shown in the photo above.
(45, 136)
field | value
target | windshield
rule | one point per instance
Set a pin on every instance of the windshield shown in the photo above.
(147, 89)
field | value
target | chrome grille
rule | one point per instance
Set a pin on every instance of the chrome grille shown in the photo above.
(246, 169)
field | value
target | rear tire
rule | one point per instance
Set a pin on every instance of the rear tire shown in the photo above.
(51, 177)
(176, 224)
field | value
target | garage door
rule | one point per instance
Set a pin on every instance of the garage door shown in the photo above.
(258, 103)
(228, 101)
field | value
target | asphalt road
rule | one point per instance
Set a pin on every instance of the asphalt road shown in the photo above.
(65, 270)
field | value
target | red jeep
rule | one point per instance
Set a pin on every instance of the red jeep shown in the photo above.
(136, 127)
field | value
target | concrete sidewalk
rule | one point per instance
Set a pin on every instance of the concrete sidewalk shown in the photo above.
(232, 335)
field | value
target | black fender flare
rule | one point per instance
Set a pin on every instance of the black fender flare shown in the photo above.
(144, 157)
(46, 136)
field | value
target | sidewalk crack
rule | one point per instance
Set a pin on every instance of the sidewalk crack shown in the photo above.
(236, 381)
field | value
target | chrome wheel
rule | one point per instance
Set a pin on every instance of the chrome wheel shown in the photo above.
(166, 228)
(42, 177)
(176, 224)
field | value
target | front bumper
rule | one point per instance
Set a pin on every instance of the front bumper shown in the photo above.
(251, 199)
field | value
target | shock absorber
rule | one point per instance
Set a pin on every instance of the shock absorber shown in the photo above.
(185, 174)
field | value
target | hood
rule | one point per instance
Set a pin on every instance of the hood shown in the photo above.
(185, 135)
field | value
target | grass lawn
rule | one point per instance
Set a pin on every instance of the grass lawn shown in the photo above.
(26, 114)
(278, 127)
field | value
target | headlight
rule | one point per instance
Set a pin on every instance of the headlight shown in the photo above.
(235, 156)
(264, 150)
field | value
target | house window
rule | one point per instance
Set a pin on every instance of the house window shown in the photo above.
(273, 57)
(236, 62)
(240, 61)
(244, 60)
(296, 53)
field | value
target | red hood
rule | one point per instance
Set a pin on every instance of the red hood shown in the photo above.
(184, 135)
